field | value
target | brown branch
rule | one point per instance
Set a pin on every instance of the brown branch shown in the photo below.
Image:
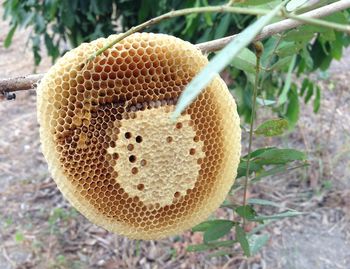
(19, 83)
(29, 82)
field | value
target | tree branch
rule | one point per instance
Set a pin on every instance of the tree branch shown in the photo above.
(19, 83)
(29, 82)
(280, 26)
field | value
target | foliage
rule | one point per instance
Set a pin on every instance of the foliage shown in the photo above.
(71, 22)
(251, 242)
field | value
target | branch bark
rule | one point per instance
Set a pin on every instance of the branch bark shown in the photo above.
(29, 82)
(19, 83)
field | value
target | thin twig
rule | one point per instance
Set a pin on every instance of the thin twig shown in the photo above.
(27, 82)
(258, 52)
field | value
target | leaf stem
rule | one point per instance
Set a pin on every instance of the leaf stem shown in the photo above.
(255, 92)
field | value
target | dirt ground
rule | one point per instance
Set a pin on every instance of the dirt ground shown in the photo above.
(39, 229)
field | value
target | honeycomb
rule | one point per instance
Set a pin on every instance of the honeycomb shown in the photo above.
(112, 149)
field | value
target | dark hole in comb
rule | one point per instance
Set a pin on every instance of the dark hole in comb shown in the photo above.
(132, 159)
(138, 139)
(127, 135)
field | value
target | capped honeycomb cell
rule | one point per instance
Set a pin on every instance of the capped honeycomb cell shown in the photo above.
(112, 149)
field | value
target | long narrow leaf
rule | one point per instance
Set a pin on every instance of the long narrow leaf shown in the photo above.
(220, 61)
(219, 230)
(242, 239)
(283, 97)
(211, 245)
(8, 39)
(276, 170)
(255, 201)
(286, 214)
(205, 225)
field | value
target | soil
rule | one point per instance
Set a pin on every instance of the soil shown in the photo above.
(39, 229)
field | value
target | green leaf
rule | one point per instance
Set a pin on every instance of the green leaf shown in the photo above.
(273, 171)
(211, 245)
(242, 239)
(242, 168)
(245, 60)
(8, 39)
(190, 19)
(272, 127)
(303, 34)
(286, 214)
(205, 225)
(292, 113)
(68, 15)
(283, 97)
(327, 36)
(338, 17)
(40, 25)
(256, 242)
(246, 212)
(207, 16)
(222, 28)
(258, 152)
(306, 58)
(220, 61)
(280, 156)
(337, 47)
(317, 101)
(282, 63)
(254, 201)
(51, 48)
(304, 86)
(289, 48)
(309, 92)
(300, 34)
(144, 11)
(53, 5)
(221, 228)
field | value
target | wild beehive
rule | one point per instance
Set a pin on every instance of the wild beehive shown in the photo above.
(112, 149)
